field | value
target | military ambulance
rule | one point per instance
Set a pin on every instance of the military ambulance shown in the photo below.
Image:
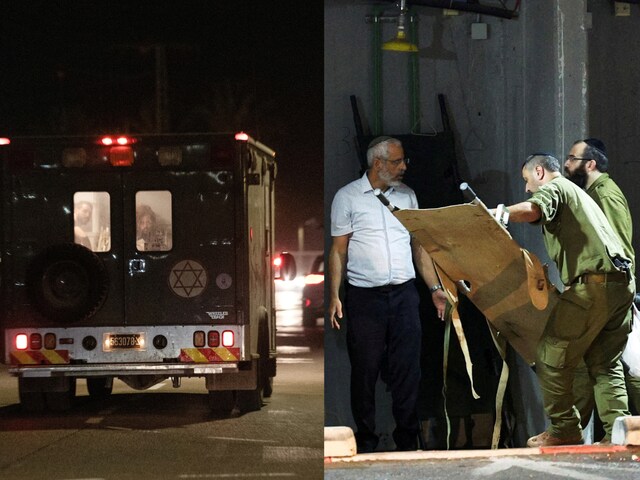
(141, 258)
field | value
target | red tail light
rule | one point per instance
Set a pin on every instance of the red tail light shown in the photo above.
(121, 156)
(35, 341)
(4, 141)
(213, 338)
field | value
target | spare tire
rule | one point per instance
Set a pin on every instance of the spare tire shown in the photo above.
(67, 282)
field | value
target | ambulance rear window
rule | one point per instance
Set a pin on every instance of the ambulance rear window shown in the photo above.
(154, 228)
(92, 220)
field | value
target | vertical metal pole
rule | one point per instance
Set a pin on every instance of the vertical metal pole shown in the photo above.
(377, 72)
(414, 76)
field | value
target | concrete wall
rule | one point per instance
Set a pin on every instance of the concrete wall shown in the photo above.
(523, 89)
(614, 97)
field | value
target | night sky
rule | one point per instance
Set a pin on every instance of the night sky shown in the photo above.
(88, 67)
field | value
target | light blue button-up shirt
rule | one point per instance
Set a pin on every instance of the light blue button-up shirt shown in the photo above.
(379, 250)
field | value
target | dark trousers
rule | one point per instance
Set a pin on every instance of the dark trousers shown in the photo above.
(384, 322)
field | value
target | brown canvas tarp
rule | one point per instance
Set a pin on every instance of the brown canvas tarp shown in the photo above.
(507, 284)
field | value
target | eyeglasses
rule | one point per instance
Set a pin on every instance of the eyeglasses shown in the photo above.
(397, 162)
(571, 158)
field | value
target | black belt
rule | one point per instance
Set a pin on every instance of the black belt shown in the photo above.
(387, 288)
(613, 277)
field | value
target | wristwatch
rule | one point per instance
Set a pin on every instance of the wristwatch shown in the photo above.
(435, 287)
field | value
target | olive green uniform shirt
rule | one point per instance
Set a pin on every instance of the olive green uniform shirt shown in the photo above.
(613, 203)
(577, 235)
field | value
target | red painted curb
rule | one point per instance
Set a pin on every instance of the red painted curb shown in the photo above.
(585, 449)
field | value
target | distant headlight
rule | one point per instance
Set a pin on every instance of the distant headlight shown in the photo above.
(313, 279)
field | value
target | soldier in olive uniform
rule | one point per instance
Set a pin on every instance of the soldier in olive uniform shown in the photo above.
(592, 317)
(586, 166)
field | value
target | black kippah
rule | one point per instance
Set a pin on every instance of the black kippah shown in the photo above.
(597, 144)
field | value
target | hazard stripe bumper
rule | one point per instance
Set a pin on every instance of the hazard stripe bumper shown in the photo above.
(209, 355)
(39, 357)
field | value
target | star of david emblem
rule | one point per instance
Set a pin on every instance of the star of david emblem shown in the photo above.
(188, 278)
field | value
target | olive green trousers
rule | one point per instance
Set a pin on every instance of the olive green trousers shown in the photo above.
(584, 397)
(590, 322)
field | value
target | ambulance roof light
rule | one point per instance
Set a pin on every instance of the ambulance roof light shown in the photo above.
(241, 136)
(120, 140)
(4, 141)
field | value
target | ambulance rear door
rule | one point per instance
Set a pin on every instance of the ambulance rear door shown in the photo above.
(179, 248)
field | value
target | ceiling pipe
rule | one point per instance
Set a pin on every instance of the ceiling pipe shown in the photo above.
(468, 7)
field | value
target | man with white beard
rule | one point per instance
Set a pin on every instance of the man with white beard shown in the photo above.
(375, 252)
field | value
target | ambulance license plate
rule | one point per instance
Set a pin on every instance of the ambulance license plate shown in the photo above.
(122, 341)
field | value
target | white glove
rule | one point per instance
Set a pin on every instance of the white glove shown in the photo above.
(502, 214)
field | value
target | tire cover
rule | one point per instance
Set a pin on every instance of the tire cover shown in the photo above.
(67, 282)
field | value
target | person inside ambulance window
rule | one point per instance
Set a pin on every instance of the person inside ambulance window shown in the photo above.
(82, 212)
(145, 226)
(150, 234)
